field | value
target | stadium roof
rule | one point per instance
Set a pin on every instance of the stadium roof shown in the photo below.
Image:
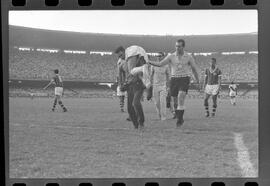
(39, 38)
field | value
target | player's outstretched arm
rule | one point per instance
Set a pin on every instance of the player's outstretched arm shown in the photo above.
(162, 63)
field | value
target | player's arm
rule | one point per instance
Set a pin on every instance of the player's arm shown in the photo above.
(48, 84)
(167, 73)
(162, 63)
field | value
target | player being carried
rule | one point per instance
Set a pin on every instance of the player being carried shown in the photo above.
(58, 90)
(211, 85)
(232, 93)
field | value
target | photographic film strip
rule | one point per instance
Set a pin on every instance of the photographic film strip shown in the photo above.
(136, 92)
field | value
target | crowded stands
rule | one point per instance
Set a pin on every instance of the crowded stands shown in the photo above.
(95, 67)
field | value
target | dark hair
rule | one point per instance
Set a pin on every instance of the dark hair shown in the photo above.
(119, 49)
(182, 41)
(56, 71)
(214, 59)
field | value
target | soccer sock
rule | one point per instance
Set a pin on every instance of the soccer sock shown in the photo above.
(181, 110)
(61, 104)
(206, 107)
(214, 109)
(54, 104)
(122, 99)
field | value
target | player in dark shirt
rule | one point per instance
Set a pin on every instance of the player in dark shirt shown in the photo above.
(58, 90)
(212, 86)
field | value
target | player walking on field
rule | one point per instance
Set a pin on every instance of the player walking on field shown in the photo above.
(138, 79)
(160, 82)
(181, 64)
(211, 85)
(233, 93)
(58, 90)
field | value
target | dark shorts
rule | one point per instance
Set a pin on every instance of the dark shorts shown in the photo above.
(179, 84)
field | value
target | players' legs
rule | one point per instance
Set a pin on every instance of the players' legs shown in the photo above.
(138, 106)
(214, 97)
(180, 108)
(163, 103)
(61, 103)
(175, 104)
(206, 105)
(156, 94)
(54, 103)
(131, 111)
(233, 102)
(122, 102)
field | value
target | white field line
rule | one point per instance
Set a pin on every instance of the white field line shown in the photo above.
(243, 157)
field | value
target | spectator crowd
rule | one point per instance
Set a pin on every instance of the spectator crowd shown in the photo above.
(96, 67)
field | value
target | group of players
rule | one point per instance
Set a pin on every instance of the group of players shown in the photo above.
(167, 78)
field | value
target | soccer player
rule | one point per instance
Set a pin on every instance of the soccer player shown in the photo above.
(211, 85)
(233, 92)
(137, 80)
(120, 80)
(160, 82)
(181, 64)
(58, 90)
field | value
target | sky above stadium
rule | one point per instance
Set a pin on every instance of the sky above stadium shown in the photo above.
(141, 22)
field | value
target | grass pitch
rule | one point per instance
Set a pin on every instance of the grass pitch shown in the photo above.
(94, 140)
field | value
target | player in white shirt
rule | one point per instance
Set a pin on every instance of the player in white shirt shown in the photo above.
(160, 82)
(233, 92)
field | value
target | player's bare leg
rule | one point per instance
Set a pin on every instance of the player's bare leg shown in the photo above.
(156, 94)
(233, 102)
(180, 108)
(206, 105)
(61, 103)
(214, 97)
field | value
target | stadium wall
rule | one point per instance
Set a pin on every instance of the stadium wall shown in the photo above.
(17, 83)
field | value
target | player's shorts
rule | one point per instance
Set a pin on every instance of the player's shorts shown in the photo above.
(58, 91)
(179, 84)
(232, 94)
(212, 89)
(119, 92)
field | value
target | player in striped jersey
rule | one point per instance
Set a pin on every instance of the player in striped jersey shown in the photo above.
(212, 83)
(121, 77)
(58, 90)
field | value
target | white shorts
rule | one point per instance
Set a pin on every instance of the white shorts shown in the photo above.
(232, 94)
(212, 89)
(119, 92)
(58, 91)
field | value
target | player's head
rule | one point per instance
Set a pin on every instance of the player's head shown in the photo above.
(120, 52)
(56, 71)
(180, 45)
(232, 82)
(161, 55)
(213, 62)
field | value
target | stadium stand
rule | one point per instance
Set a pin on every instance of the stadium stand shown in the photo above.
(95, 67)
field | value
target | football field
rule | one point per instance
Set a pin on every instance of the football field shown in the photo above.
(94, 140)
